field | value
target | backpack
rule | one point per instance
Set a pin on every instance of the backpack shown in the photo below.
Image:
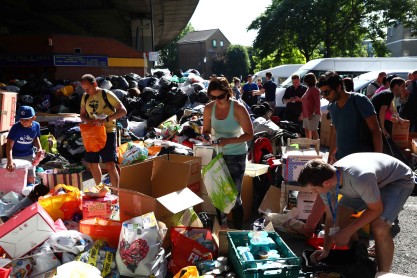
(261, 148)
(104, 95)
(375, 84)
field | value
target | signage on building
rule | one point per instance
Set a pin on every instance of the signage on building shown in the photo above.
(153, 56)
(80, 60)
(26, 60)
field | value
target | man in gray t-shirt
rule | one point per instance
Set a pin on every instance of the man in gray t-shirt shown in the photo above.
(377, 183)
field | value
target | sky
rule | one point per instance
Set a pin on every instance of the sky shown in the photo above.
(232, 17)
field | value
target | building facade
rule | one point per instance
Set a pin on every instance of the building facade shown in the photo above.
(400, 41)
(198, 50)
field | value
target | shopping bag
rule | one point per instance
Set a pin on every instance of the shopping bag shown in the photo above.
(140, 251)
(190, 244)
(94, 137)
(188, 272)
(62, 206)
(219, 184)
(49, 143)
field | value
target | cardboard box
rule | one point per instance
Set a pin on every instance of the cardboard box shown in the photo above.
(400, 132)
(98, 207)
(3, 141)
(247, 199)
(8, 102)
(26, 230)
(326, 130)
(293, 166)
(13, 181)
(271, 202)
(305, 201)
(159, 185)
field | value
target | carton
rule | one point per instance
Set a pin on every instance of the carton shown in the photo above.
(8, 110)
(160, 185)
(98, 207)
(305, 201)
(271, 203)
(26, 230)
(12, 181)
(326, 130)
(3, 141)
(400, 132)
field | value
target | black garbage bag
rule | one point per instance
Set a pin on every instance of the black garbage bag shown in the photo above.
(146, 82)
(202, 97)
(165, 83)
(120, 94)
(133, 104)
(33, 87)
(132, 77)
(197, 87)
(171, 110)
(158, 73)
(133, 84)
(149, 94)
(153, 110)
(176, 96)
(105, 84)
(119, 82)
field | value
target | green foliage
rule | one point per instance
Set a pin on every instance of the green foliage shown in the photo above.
(328, 28)
(235, 62)
(168, 56)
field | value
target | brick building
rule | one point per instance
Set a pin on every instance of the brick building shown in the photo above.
(198, 49)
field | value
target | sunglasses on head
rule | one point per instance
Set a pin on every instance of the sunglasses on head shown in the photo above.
(222, 96)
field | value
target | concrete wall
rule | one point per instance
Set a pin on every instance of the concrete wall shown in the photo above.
(400, 41)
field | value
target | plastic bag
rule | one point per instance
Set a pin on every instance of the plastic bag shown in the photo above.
(139, 252)
(77, 269)
(220, 187)
(134, 152)
(101, 257)
(49, 143)
(70, 241)
(188, 272)
(64, 205)
(94, 137)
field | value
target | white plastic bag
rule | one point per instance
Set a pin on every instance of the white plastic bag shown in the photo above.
(70, 241)
(77, 269)
(139, 252)
(220, 187)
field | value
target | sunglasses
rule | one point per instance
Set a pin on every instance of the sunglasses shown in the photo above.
(222, 96)
(325, 93)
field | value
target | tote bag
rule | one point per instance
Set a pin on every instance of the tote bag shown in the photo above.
(94, 137)
(220, 187)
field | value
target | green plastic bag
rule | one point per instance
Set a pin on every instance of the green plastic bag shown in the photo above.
(49, 143)
(220, 187)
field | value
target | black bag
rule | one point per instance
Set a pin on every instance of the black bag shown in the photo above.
(351, 263)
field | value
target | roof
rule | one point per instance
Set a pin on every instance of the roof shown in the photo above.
(197, 36)
(115, 19)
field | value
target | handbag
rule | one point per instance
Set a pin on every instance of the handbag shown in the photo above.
(94, 137)
(220, 186)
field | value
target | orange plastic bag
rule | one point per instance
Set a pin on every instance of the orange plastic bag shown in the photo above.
(62, 206)
(94, 137)
(188, 272)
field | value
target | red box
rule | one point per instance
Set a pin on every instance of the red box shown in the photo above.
(8, 110)
(26, 230)
(12, 181)
(98, 207)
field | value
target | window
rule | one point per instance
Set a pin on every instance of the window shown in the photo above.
(214, 43)
(221, 43)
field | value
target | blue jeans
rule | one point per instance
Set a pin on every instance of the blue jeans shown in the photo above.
(236, 165)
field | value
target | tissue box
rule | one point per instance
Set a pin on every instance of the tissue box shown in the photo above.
(25, 231)
(98, 207)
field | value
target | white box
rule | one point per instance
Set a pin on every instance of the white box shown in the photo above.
(305, 201)
(26, 230)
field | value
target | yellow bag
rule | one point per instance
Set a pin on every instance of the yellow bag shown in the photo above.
(94, 137)
(188, 272)
(62, 206)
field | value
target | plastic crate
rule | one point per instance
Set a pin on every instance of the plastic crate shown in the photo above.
(253, 269)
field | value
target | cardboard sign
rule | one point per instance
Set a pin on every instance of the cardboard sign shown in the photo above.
(12, 181)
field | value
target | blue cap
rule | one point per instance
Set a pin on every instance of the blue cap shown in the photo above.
(25, 112)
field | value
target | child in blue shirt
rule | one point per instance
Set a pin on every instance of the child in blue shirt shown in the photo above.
(23, 137)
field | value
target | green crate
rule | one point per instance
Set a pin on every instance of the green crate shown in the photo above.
(246, 269)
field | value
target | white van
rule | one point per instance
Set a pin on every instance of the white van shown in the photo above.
(346, 67)
(279, 73)
(361, 82)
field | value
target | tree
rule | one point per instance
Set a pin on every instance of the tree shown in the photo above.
(325, 27)
(168, 56)
(237, 61)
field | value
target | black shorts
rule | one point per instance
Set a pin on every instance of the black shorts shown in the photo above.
(107, 154)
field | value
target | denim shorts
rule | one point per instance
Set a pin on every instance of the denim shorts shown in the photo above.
(393, 195)
(107, 154)
(236, 165)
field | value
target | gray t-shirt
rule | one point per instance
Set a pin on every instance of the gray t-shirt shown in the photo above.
(364, 174)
